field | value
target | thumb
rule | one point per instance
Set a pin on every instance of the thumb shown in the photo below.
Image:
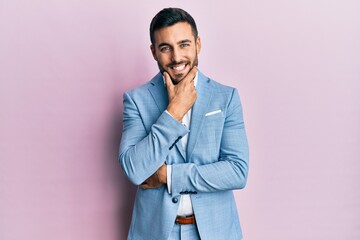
(168, 82)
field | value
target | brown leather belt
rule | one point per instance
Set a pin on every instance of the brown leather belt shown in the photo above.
(185, 220)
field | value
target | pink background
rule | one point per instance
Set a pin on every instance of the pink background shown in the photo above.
(64, 66)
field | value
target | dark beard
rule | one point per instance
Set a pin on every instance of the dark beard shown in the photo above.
(179, 77)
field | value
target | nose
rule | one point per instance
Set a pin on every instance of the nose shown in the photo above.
(176, 56)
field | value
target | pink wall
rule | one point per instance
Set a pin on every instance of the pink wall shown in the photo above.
(65, 64)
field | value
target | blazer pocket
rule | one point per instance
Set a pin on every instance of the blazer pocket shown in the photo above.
(213, 113)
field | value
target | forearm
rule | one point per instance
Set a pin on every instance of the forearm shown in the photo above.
(141, 154)
(218, 176)
(224, 169)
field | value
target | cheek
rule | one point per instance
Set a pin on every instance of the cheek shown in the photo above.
(163, 59)
(192, 55)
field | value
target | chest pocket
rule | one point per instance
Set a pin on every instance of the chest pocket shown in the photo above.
(210, 137)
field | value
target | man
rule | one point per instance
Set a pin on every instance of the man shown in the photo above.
(183, 142)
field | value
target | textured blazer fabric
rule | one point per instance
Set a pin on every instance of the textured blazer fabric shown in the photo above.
(214, 163)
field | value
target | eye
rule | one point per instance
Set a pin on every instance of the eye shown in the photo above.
(183, 45)
(165, 49)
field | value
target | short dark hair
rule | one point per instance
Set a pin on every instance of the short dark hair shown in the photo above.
(168, 17)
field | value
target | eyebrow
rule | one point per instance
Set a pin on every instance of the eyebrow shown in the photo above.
(180, 42)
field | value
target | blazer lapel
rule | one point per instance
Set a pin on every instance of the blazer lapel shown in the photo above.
(159, 93)
(204, 94)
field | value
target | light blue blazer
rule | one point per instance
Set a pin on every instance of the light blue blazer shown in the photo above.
(215, 162)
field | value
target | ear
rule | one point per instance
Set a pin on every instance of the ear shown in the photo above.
(153, 51)
(198, 45)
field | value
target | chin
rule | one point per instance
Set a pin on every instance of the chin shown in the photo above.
(178, 78)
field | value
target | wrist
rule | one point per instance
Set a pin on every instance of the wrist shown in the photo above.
(175, 114)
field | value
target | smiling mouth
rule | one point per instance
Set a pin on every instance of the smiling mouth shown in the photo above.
(179, 68)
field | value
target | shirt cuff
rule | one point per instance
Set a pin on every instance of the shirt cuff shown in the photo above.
(168, 178)
(169, 114)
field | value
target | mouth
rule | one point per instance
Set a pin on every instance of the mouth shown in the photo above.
(179, 68)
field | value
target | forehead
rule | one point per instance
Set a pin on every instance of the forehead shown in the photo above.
(173, 34)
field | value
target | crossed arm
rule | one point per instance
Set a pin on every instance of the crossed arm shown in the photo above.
(230, 172)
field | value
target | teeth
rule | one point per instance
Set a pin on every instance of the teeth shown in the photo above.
(179, 68)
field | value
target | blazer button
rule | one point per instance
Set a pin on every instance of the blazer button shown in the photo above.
(175, 200)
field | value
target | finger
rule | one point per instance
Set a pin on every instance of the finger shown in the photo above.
(191, 75)
(194, 70)
(144, 186)
(169, 83)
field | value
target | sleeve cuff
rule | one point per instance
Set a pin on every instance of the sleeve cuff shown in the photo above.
(168, 178)
(170, 114)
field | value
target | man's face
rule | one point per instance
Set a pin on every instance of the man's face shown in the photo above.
(176, 50)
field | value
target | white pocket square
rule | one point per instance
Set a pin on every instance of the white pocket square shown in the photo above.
(212, 113)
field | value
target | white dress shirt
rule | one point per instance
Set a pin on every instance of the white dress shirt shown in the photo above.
(185, 206)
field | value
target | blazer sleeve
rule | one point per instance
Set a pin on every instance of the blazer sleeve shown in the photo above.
(231, 169)
(142, 153)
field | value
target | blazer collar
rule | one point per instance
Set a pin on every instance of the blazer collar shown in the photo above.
(159, 92)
